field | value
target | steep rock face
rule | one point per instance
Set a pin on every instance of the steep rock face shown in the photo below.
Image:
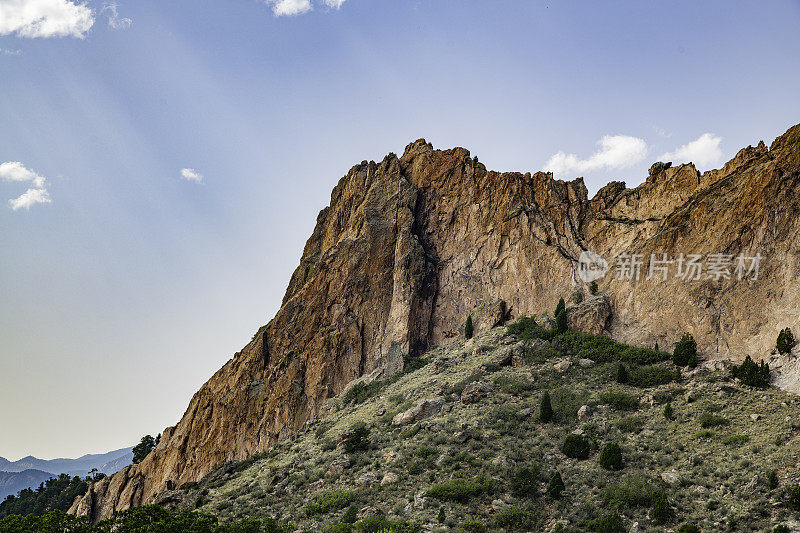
(410, 246)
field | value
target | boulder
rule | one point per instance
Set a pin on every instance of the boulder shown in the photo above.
(592, 315)
(422, 410)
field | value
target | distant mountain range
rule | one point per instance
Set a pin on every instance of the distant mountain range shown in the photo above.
(31, 471)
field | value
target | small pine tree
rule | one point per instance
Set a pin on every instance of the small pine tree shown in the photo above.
(669, 413)
(561, 321)
(441, 516)
(611, 457)
(772, 480)
(350, 516)
(793, 502)
(785, 341)
(561, 306)
(655, 348)
(684, 350)
(622, 374)
(468, 329)
(593, 288)
(660, 510)
(752, 374)
(556, 486)
(546, 408)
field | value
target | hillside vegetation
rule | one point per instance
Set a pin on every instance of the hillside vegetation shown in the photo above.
(517, 429)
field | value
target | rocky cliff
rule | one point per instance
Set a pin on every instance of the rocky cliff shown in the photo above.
(410, 246)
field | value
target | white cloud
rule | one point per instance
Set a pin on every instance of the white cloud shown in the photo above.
(190, 174)
(289, 7)
(14, 171)
(9, 52)
(616, 151)
(114, 20)
(45, 18)
(703, 151)
(29, 198)
(298, 7)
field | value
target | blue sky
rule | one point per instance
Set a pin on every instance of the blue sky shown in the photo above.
(126, 286)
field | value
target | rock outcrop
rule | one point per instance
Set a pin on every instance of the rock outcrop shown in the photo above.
(409, 246)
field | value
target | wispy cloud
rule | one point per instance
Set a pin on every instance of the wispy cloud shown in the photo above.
(14, 171)
(291, 8)
(116, 22)
(190, 174)
(9, 52)
(615, 152)
(45, 18)
(703, 151)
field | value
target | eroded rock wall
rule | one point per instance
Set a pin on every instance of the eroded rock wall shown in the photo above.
(408, 247)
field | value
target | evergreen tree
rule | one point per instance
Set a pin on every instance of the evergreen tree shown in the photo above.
(143, 449)
(561, 306)
(556, 486)
(622, 374)
(684, 350)
(468, 329)
(611, 457)
(546, 408)
(785, 341)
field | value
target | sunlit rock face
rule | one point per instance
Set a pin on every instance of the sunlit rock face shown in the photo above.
(412, 245)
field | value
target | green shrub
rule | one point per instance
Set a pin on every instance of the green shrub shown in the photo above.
(793, 500)
(669, 412)
(556, 486)
(576, 447)
(785, 341)
(604, 350)
(357, 439)
(619, 401)
(525, 481)
(513, 518)
(545, 408)
(566, 402)
(611, 457)
(330, 500)
(708, 420)
(440, 517)
(474, 526)
(660, 509)
(735, 440)
(468, 328)
(781, 528)
(512, 385)
(459, 386)
(653, 376)
(688, 528)
(350, 516)
(772, 480)
(752, 374)
(630, 424)
(632, 491)
(361, 392)
(610, 523)
(622, 374)
(561, 322)
(461, 490)
(526, 328)
(684, 350)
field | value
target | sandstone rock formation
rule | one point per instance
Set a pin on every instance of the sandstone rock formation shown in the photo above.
(411, 245)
